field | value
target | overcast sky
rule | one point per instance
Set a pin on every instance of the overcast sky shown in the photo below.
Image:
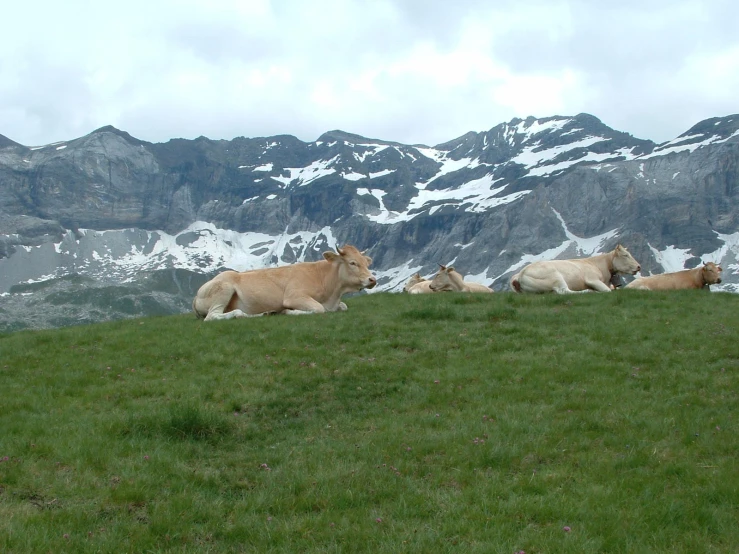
(412, 71)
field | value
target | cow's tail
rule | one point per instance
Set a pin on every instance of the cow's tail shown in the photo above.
(515, 284)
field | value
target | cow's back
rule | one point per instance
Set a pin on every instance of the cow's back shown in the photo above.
(547, 275)
(264, 290)
(421, 288)
(477, 287)
(667, 281)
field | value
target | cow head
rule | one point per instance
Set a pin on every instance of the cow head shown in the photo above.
(623, 262)
(447, 279)
(711, 273)
(353, 265)
(414, 280)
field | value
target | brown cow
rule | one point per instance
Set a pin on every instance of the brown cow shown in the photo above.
(307, 287)
(448, 279)
(696, 278)
(578, 275)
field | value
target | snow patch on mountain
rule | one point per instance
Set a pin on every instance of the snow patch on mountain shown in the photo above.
(530, 129)
(688, 143)
(481, 278)
(384, 216)
(671, 259)
(353, 176)
(586, 246)
(393, 279)
(301, 176)
(731, 246)
(549, 254)
(448, 165)
(372, 150)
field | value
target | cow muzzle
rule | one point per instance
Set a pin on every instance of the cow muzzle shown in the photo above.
(371, 282)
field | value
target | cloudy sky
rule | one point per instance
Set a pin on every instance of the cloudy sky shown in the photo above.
(413, 71)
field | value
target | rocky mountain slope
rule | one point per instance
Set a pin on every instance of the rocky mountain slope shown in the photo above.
(106, 217)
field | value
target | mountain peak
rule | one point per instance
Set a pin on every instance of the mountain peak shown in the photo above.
(722, 127)
(5, 142)
(123, 134)
(343, 136)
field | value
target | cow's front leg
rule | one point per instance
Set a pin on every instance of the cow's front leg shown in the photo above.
(597, 285)
(564, 289)
(300, 306)
(216, 315)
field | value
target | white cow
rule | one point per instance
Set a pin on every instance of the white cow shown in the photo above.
(307, 287)
(417, 285)
(413, 281)
(424, 287)
(578, 275)
(695, 278)
(448, 279)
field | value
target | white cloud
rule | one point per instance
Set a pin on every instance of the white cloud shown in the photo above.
(406, 70)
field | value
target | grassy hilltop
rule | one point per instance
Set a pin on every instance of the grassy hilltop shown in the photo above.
(440, 423)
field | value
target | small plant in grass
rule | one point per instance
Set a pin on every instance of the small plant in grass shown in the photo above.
(193, 422)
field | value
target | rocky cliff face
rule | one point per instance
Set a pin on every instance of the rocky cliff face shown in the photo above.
(109, 210)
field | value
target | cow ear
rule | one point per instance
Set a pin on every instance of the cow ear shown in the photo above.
(450, 268)
(369, 260)
(330, 256)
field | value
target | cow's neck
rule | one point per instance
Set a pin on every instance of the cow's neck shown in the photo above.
(700, 278)
(332, 290)
(604, 262)
(457, 279)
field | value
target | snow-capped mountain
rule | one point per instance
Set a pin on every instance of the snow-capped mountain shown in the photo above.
(116, 211)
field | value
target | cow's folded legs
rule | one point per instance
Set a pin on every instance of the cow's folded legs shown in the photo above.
(214, 315)
(304, 305)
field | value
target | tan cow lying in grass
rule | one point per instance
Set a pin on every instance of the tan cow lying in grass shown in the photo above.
(696, 278)
(307, 287)
(417, 285)
(448, 279)
(414, 280)
(424, 287)
(578, 275)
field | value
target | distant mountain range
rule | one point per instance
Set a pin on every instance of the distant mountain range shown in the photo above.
(108, 226)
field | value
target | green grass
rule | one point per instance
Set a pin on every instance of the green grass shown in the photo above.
(426, 423)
